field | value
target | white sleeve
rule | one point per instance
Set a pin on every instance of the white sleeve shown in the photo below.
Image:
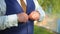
(40, 10)
(8, 21)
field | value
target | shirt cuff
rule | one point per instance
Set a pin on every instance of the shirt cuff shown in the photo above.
(42, 15)
(12, 20)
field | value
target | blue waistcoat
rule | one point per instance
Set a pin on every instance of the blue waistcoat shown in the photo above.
(13, 7)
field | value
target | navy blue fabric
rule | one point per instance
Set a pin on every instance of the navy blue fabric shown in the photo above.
(13, 7)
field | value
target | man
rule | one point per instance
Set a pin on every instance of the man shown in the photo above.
(17, 18)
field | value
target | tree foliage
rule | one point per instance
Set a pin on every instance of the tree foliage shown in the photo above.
(50, 6)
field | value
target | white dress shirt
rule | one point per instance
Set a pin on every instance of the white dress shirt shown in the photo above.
(12, 20)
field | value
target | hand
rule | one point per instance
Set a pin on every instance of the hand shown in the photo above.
(34, 15)
(22, 17)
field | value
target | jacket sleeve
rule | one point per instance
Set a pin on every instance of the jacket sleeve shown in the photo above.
(40, 10)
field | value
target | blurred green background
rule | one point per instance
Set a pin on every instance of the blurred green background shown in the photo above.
(41, 30)
(51, 8)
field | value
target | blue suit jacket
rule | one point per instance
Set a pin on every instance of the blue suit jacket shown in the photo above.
(13, 7)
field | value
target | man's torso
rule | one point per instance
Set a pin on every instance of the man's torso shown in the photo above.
(13, 7)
